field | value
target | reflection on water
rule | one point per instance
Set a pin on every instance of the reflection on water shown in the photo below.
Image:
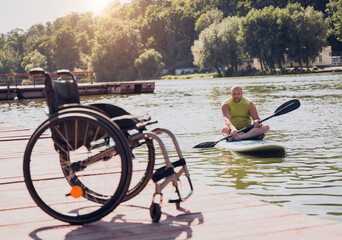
(308, 179)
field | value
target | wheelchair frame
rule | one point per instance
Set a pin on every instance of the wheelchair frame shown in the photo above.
(76, 131)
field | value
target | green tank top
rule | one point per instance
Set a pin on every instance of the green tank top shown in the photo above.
(239, 113)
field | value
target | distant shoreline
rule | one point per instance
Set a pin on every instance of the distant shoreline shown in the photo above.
(332, 70)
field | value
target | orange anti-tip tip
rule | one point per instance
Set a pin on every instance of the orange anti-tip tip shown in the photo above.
(76, 192)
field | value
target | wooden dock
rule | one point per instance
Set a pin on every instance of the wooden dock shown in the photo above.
(38, 91)
(23, 86)
(211, 213)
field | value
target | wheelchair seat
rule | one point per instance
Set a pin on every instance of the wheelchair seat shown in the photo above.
(124, 119)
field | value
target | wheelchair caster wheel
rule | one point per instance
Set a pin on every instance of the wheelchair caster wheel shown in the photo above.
(155, 212)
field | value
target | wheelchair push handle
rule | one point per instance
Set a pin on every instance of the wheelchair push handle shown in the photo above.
(41, 71)
(38, 71)
(62, 72)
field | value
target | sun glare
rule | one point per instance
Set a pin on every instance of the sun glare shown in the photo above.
(98, 5)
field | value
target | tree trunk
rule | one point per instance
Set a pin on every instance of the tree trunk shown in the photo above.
(218, 71)
(262, 65)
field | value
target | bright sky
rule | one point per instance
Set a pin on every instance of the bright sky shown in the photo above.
(25, 13)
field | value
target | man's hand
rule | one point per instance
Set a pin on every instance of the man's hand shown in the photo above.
(234, 133)
(256, 123)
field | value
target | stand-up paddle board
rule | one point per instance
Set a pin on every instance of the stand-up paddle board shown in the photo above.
(257, 148)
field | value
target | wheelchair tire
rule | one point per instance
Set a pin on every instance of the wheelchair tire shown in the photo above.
(98, 166)
(155, 212)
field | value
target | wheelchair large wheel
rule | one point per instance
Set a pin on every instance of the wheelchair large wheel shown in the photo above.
(71, 161)
(143, 157)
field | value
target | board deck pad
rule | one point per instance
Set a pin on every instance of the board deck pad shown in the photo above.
(257, 148)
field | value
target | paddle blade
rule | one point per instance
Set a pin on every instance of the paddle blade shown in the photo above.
(287, 107)
(205, 145)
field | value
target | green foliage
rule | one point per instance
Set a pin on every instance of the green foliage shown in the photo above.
(12, 52)
(218, 46)
(206, 49)
(264, 35)
(334, 10)
(267, 34)
(44, 45)
(34, 59)
(65, 49)
(149, 64)
(271, 32)
(115, 49)
(110, 43)
(308, 33)
(208, 18)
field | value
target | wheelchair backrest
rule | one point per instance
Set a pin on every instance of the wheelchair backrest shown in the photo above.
(61, 91)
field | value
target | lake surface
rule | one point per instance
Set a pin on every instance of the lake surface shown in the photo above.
(308, 179)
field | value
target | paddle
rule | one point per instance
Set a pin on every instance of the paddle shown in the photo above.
(287, 107)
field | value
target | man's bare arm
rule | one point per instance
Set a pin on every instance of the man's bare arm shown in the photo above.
(226, 116)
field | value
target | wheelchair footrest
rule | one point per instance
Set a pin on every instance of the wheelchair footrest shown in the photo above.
(176, 199)
(165, 172)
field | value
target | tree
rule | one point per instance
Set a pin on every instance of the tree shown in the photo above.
(334, 11)
(205, 49)
(83, 43)
(149, 64)
(44, 45)
(2, 40)
(66, 54)
(218, 46)
(33, 60)
(309, 31)
(230, 51)
(116, 47)
(264, 36)
(208, 18)
(319, 5)
(13, 52)
(155, 30)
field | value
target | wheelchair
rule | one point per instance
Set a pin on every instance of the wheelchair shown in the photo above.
(84, 160)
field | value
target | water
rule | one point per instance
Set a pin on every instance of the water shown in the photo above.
(308, 179)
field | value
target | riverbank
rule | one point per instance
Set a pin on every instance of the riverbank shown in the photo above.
(332, 70)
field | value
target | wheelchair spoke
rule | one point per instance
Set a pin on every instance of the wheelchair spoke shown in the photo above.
(76, 131)
(86, 134)
(66, 135)
(96, 133)
(65, 139)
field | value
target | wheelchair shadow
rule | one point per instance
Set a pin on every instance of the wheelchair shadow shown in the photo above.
(121, 227)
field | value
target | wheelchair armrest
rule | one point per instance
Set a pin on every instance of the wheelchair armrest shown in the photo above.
(137, 121)
(141, 125)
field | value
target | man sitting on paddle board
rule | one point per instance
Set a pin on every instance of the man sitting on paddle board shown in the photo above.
(238, 113)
